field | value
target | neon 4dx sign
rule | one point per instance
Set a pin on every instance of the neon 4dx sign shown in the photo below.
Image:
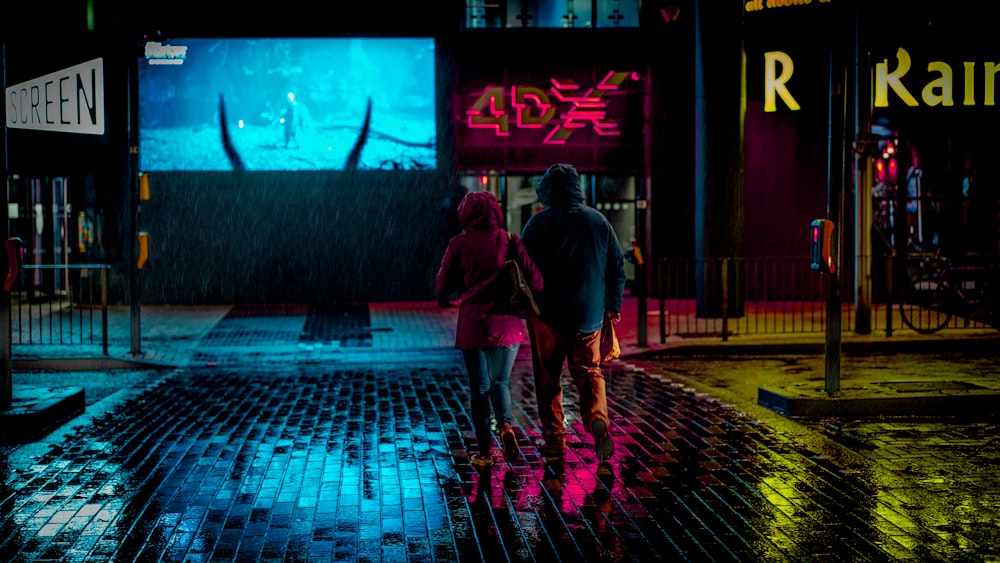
(533, 108)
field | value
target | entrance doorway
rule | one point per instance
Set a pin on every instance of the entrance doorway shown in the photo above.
(613, 195)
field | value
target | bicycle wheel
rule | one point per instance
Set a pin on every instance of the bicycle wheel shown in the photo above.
(924, 305)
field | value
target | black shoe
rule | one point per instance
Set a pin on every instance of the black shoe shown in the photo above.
(603, 446)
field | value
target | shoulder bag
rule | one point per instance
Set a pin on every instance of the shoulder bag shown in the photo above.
(513, 294)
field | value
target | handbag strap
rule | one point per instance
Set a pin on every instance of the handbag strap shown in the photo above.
(511, 254)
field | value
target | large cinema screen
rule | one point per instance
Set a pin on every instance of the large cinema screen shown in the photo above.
(288, 104)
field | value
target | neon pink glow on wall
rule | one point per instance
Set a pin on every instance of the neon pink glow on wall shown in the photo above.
(533, 108)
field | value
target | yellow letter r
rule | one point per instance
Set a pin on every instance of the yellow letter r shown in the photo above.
(776, 85)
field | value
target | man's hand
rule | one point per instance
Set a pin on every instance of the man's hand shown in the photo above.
(615, 317)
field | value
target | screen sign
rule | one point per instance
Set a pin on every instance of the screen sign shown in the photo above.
(66, 101)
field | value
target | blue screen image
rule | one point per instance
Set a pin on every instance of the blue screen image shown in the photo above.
(287, 104)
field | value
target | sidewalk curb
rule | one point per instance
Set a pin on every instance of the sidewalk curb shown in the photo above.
(960, 399)
(969, 404)
(967, 343)
(36, 410)
(85, 364)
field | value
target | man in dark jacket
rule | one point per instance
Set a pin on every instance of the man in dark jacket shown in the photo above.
(576, 249)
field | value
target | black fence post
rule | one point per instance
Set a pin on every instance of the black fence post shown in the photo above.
(890, 303)
(14, 248)
(7, 377)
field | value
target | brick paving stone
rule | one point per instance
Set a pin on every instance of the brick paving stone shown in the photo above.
(274, 451)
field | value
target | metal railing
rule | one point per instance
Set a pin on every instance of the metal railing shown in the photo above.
(59, 305)
(767, 295)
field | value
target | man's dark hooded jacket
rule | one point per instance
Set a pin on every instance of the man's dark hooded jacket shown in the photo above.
(578, 253)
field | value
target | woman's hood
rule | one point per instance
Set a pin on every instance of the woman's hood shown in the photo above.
(479, 211)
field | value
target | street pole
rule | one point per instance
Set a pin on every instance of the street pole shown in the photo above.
(837, 164)
(6, 353)
(863, 191)
(133, 202)
(640, 271)
(643, 189)
(720, 108)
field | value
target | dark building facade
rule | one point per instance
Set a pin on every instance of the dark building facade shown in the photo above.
(702, 129)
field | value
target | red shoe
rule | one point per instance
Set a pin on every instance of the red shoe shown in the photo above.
(511, 451)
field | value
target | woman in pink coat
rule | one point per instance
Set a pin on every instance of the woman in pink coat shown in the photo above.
(488, 342)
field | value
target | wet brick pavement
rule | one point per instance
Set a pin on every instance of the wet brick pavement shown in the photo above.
(268, 446)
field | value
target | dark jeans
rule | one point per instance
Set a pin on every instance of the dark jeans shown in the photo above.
(489, 383)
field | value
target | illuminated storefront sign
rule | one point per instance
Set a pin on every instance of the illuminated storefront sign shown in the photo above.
(758, 5)
(565, 107)
(938, 88)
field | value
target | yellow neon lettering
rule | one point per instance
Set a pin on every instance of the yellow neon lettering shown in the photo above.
(488, 111)
(991, 78)
(970, 85)
(776, 84)
(885, 79)
(526, 98)
(942, 82)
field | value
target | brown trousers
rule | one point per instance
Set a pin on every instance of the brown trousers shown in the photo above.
(550, 348)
